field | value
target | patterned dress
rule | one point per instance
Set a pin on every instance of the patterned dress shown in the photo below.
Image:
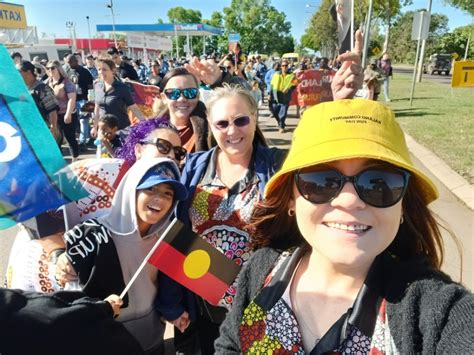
(220, 214)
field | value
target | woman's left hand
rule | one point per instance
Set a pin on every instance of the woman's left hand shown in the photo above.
(349, 77)
(67, 119)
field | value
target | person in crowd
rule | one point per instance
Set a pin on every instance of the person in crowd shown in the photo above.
(17, 58)
(249, 72)
(109, 137)
(224, 185)
(236, 70)
(113, 96)
(268, 79)
(260, 72)
(65, 93)
(124, 70)
(257, 94)
(141, 210)
(83, 80)
(42, 95)
(373, 76)
(348, 253)
(155, 137)
(29, 319)
(386, 66)
(282, 85)
(155, 76)
(179, 92)
(90, 65)
(141, 70)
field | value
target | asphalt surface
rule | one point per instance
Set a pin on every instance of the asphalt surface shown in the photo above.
(407, 70)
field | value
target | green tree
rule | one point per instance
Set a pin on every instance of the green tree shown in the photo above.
(464, 5)
(216, 43)
(321, 33)
(262, 28)
(403, 48)
(181, 15)
(456, 41)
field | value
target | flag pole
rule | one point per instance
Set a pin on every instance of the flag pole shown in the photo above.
(145, 261)
(352, 25)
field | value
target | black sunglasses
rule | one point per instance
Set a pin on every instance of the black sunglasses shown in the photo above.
(50, 68)
(378, 187)
(164, 147)
(175, 94)
(238, 122)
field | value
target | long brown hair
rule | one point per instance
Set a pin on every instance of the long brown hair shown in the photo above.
(271, 225)
(418, 236)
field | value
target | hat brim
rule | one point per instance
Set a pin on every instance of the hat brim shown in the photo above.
(180, 191)
(347, 149)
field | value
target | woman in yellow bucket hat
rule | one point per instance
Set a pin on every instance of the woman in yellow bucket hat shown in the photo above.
(349, 254)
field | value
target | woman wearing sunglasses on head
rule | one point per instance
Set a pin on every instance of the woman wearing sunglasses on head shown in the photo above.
(349, 253)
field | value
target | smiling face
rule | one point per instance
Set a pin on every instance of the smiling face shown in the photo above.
(233, 140)
(153, 204)
(347, 231)
(151, 151)
(181, 108)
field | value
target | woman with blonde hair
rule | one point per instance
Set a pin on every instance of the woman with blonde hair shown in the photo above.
(349, 254)
(65, 93)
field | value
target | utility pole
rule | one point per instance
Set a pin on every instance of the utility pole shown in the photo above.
(89, 28)
(71, 26)
(422, 51)
(111, 7)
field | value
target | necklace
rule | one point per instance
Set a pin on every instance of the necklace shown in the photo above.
(296, 310)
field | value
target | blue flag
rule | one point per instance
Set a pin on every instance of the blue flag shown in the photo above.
(34, 176)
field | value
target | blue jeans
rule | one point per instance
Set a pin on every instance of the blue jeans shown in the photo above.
(84, 123)
(279, 111)
(386, 84)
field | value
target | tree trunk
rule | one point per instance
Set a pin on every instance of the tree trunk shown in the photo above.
(387, 34)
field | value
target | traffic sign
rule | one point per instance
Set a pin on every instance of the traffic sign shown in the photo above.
(234, 37)
(463, 74)
(419, 19)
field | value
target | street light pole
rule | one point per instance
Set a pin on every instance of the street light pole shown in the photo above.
(70, 25)
(111, 7)
(89, 28)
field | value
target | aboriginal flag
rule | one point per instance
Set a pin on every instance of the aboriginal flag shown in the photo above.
(34, 177)
(194, 263)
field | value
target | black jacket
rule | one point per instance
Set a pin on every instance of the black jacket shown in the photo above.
(65, 322)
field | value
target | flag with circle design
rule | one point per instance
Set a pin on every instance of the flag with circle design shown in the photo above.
(194, 263)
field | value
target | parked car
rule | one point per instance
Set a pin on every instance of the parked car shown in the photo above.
(439, 63)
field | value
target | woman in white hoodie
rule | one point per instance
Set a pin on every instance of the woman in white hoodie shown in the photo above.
(105, 252)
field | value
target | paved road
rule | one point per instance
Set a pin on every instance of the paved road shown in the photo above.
(407, 70)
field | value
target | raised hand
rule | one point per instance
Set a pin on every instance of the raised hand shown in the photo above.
(204, 70)
(349, 77)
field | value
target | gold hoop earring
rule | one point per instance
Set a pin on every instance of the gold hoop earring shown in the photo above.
(402, 220)
(291, 212)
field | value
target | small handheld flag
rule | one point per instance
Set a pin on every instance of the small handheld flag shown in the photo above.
(190, 260)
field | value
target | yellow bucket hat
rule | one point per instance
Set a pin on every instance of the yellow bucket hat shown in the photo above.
(347, 129)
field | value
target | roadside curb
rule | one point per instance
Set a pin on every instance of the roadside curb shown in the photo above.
(452, 180)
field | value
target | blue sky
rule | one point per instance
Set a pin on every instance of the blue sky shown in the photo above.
(50, 16)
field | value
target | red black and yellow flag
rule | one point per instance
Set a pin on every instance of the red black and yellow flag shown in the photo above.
(194, 263)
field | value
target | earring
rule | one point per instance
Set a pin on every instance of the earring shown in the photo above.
(402, 220)
(291, 212)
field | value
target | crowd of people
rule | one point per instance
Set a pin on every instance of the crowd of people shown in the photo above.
(339, 250)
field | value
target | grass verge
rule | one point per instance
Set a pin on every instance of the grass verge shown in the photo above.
(439, 119)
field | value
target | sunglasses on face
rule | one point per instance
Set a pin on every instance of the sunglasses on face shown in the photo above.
(175, 94)
(50, 68)
(241, 121)
(378, 187)
(164, 147)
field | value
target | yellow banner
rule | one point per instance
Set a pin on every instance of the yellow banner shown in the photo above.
(12, 16)
(463, 74)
